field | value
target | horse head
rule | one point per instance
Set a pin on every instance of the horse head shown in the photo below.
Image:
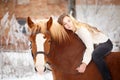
(39, 37)
(41, 33)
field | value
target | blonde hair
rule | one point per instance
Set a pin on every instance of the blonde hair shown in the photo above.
(78, 24)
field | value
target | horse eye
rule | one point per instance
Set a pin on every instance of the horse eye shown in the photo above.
(44, 36)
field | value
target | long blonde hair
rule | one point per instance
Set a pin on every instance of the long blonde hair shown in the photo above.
(78, 24)
(58, 32)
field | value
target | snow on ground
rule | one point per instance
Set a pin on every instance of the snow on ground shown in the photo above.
(35, 76)
(19, 66)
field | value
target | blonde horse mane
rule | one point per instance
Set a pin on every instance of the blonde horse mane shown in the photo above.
(57, 31)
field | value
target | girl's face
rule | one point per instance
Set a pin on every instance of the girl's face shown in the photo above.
(68, 24)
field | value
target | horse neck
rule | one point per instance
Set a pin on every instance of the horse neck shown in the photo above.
(67, 56)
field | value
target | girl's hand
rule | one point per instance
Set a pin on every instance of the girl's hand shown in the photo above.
(81, 68)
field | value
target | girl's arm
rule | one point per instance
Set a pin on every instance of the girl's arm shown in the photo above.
(86, 37)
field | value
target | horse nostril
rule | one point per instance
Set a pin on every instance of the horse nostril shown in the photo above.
(45, 69)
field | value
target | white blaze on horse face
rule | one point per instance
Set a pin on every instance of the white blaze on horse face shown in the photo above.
(40, 42)
(40, 63)
(40, 57)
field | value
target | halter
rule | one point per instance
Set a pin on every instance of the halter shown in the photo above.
(41, 52)
(46, 68)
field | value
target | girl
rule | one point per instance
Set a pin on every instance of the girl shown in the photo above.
(90, 36)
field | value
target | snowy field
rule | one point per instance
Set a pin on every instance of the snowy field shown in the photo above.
(35, 76)
(19, 66)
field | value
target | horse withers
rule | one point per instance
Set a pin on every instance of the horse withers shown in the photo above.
(63, 50)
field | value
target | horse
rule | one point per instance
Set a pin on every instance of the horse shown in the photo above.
(63, 51)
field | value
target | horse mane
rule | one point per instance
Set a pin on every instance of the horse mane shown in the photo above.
(58, 32)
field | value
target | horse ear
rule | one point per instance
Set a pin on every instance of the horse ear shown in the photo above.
(49, 23)
(30, 22)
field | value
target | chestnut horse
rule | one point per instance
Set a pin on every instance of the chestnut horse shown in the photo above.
(63, 50)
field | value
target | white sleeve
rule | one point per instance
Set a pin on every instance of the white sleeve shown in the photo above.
(86, 37)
